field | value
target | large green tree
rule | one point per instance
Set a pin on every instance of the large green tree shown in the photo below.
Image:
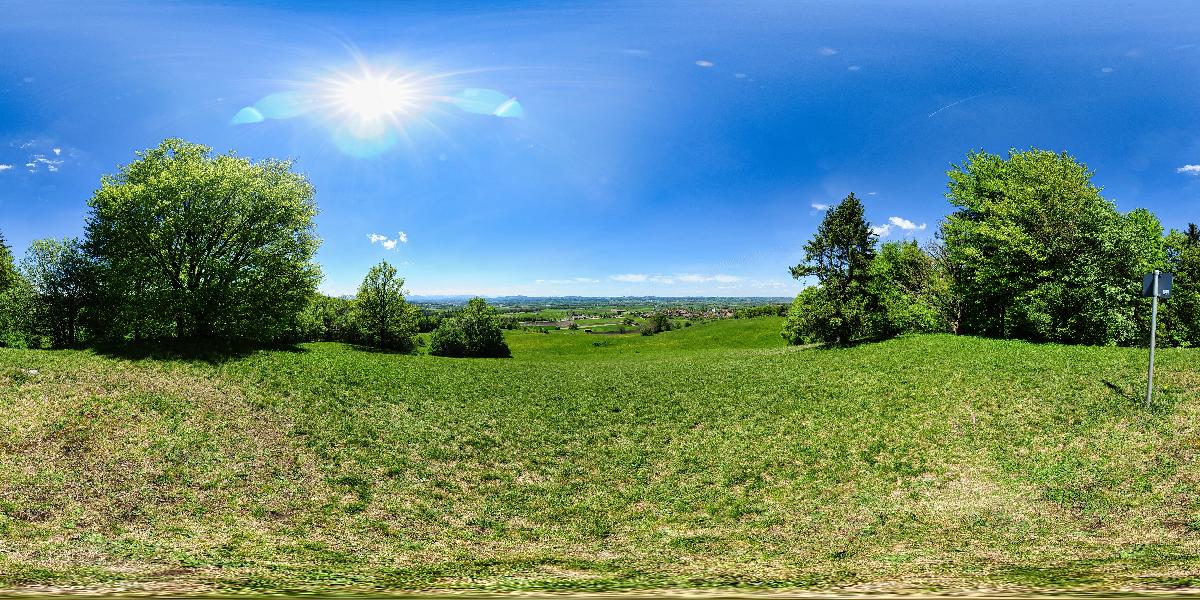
(381, 315)
(8, 267)
(16, 301)
(1039, 254)
(1180, 315)
(63, 280)
(839, 256)
(196, 245)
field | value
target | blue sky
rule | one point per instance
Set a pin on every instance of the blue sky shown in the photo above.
(661, 148)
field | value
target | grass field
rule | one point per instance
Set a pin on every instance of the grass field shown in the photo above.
(711, 456)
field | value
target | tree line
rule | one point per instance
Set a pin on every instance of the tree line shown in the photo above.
(1032, 251)
(185, 246)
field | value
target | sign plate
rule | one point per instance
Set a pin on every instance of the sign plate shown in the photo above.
(1164, 285)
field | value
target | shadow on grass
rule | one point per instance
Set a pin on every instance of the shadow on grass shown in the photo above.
(1128, 395)
(1162, 404)
(376, 350)
(843, 345)
(207, 351)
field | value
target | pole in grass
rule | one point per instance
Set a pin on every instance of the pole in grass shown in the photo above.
(1154, 285)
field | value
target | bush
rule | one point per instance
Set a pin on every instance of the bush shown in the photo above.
(804, 318)
(765, 310)
(474, 333)
(904, 281)
(656, 323)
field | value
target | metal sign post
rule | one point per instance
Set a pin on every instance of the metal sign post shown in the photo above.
(1153, 332)
(1155, 285)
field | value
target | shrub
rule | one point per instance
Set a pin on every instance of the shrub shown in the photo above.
(656, 323)
(474, 332)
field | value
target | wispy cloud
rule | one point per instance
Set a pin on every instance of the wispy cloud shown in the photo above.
(37, 161)
(820, 206)
(704, 63)
(571, 280)
(826, 51)
(697, 278)
(386, 242)
(957, 102)
(905, 224)
(45, 154)
(673, 279)
(853, 68)
(1189, 170)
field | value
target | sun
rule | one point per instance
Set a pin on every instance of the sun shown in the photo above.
(371, 98)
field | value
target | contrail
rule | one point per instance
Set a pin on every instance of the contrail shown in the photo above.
(957, 102)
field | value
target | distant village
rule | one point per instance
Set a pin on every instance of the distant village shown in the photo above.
(630, 315)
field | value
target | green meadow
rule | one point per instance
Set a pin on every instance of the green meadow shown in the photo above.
(712, 456)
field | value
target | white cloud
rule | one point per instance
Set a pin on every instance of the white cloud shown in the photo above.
(739, 75)
(697, 278)
(44, 154)
(826, 51)
(882, 230)
(704, 63)
(39, 160)
(773, 283)
(1106, 70)
(820, 206)
(673, 279)
(1189, 170)
(853, 68)
(5, 167)
(571, 280)
(386, 242)
(905, 224)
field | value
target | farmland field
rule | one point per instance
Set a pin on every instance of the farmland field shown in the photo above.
(711, 456)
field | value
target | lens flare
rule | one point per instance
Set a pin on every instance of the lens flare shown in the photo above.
(372, 97)
(369, 111)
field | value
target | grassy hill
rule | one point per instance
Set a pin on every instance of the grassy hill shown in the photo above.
(711, 456)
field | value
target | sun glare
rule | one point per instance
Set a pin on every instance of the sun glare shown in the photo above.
(370, 97)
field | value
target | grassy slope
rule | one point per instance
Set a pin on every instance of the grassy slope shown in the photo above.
(709, 456)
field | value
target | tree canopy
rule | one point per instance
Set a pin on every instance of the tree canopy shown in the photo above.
(382, 317)
(1040, 254)
(839, 255)
(62, 278)
(197, 245)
